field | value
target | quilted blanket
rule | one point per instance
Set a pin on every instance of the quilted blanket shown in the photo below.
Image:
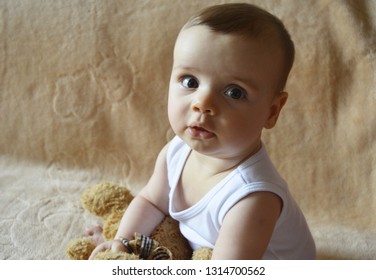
(83, 90)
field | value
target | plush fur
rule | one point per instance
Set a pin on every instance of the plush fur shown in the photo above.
(109, 201)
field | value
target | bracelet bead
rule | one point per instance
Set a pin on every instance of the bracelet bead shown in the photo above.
(125, 242)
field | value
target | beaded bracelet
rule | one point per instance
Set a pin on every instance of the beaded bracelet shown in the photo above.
(146, 248)
(126, 244)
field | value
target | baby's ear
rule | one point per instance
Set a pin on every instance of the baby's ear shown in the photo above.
(277, 104)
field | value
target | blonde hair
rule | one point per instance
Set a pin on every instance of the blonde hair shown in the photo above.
(249, 21)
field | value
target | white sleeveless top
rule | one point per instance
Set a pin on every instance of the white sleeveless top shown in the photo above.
(201, 223)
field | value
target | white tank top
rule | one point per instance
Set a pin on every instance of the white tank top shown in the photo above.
(201, 223)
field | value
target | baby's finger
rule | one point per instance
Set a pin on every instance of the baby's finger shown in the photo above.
(100, 248)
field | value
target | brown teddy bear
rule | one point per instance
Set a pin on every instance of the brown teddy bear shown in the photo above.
(109, 201)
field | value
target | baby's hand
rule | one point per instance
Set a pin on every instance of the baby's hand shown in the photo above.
(113, 245)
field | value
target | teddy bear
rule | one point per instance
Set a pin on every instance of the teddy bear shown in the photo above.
(109, 202)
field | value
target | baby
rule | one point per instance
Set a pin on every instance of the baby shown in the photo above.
(230, 67)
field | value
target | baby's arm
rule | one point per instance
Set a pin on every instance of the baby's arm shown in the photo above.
(248, 226)
(147, 209)
(150, 206)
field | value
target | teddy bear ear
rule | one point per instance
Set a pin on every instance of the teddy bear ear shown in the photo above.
(104, 198)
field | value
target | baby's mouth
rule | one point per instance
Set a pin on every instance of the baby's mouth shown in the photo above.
(200, 132)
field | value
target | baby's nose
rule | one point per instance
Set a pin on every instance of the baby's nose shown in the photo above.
(204, 103)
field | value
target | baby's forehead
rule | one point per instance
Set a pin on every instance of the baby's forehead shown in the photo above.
(267, 34)
(269, 39)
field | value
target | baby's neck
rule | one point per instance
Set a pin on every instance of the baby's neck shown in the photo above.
(215, 165)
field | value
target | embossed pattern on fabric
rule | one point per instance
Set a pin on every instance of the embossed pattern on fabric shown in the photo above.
(83, 99)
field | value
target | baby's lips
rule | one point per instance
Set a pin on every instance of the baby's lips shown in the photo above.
(200, 132)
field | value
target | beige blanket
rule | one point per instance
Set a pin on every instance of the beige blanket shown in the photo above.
(83, 90)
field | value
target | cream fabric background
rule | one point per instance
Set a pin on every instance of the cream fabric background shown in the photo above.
(83, 91)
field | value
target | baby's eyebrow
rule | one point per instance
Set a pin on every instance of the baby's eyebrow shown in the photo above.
(246, 80)
(184, 68)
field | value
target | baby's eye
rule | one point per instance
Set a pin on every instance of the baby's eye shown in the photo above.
(189, 82)
(235, 93)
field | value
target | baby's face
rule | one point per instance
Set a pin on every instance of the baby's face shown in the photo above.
(222, 91)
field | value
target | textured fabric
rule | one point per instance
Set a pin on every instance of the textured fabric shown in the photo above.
(83, 91)
(201, 222)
